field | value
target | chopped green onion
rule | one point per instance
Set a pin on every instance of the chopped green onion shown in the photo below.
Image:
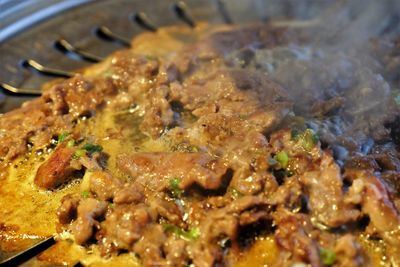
(71, 143)
(309, 140)
(85, 194)
(62, 136)
(328, 256)
(79, 153)
(283, 159)
(174, 187)
(92, 148)
(191, 235)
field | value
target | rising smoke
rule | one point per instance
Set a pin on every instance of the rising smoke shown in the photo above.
(339, 78)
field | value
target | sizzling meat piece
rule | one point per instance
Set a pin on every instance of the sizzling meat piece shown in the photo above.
(155, 170)
(57, 169)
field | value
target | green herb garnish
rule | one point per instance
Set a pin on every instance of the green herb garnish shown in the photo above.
(308, 139)
(92, 148)
(85, 194)
(71, 143)
(328, 256)
(174, 187)
(79, 153)
(191, 235)
(62, 136)
(283, 159)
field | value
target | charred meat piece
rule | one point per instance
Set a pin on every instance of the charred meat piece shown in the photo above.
(57, 169)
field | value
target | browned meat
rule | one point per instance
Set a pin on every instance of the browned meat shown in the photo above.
(392, 178)
(168, 210)
(103, 185)
(325, 194)
(242, 147)
(191, 168)
(294, 236)
(93, 162)
(150, 246)
(127, 68)
(224, 40)
(372, 194)
(88, 211)
(124, 225)
(320, 179)
(288, 195)
(57, 169)
(215, 163)
(348, 252)
(130, 193)
(60, 106)
(224, 223)
(68, 209)
(388, 160)
(56, 96)
(235, 92)
(79, 96)
(175, 251)
(158, 112)
(206, 251)
(33, 123)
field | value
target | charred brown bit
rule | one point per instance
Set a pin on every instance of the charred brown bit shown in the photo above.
(57, 169)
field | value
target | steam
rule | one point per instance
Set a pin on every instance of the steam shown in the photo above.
(343, 63)
(338, 68)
